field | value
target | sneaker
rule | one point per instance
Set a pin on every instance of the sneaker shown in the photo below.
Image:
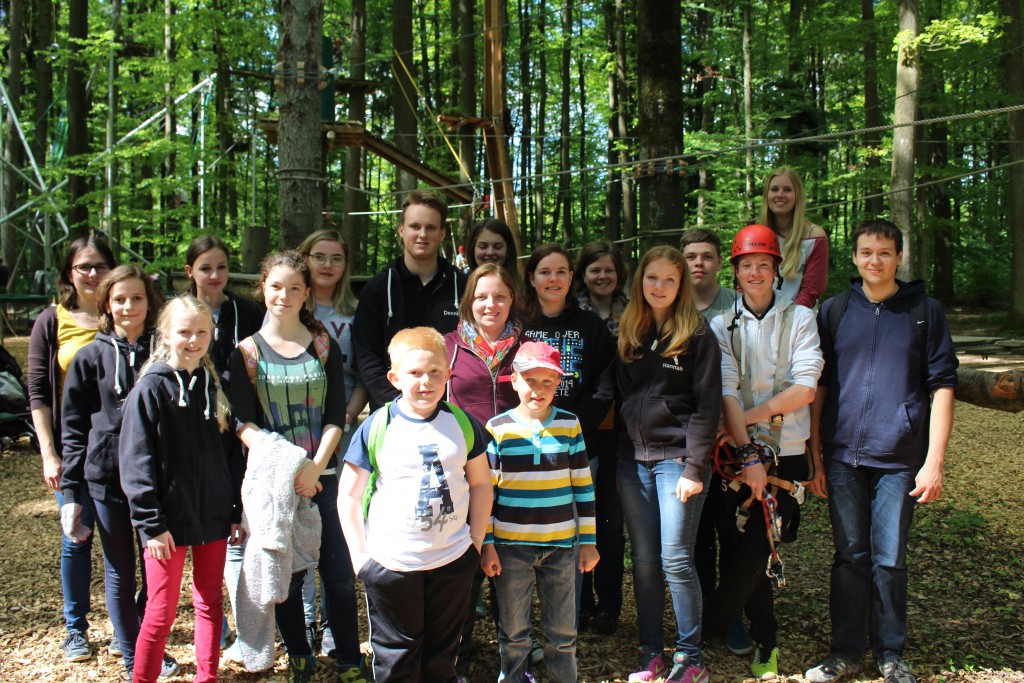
(225, 633)
(169, 667)
(351, 674)
(605, 624)
(737, 639)
(76, 646)
(896, 671)
(301, 668)
(312, 636)
(832, 670)
(536, 651)
(685, 672)
(654, 668)
(114, 647)
(766, 662)
(232, 654)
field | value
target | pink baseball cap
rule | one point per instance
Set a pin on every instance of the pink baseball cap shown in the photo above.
(533, 355)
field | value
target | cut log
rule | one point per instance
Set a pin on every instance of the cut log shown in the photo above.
(999, 390)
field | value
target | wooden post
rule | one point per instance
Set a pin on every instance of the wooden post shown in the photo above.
(495, 140)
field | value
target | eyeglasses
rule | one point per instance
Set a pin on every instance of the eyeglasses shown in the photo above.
(319, 259)
(86, 268)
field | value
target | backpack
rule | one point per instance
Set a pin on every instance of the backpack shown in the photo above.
(321, 342)
(13, 393)
(375, 441)
(918, 313)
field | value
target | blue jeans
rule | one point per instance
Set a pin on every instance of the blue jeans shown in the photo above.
(662, 532)
(553, 571)
(337, 580)
(871, 512)
(119, 543)
(76, 570)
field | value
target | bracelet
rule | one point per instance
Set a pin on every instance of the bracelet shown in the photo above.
(751, 463)
(747, 450)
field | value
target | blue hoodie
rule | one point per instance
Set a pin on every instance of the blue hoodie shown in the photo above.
(879, 383)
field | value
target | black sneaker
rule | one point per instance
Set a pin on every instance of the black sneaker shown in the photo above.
(76, 646)
(313, 636)
(169, 667)
(832, 669)
(114, 648)
(896, 671)
(605, 624)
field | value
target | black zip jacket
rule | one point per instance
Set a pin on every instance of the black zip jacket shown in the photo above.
(670, 407)
(174, 470)
(240, 317)
(588, 350)
(384, 309)
(97, 383)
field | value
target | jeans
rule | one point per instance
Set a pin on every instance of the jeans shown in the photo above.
(662, 531)
(871, 512)
(553, 571)
(76, 570)
(338, 581)
(164, 578)
(114, 523)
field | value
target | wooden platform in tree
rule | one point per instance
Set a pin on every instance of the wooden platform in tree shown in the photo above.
(354, 134)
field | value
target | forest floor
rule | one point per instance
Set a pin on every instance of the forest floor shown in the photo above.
(966, 614)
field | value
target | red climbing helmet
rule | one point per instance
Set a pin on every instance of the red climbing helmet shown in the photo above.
(755, 239)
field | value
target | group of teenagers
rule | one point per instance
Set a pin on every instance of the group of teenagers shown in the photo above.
(519, 427)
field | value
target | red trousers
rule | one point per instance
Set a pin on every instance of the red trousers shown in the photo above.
(164, 579)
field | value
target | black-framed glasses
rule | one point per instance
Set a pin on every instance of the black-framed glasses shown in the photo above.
(336, 260)
(87, 268)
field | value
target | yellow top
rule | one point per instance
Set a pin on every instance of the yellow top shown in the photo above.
(70, 338)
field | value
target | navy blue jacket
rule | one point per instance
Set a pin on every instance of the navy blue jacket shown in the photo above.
(880, 380)
(174, 470)
(97, 383)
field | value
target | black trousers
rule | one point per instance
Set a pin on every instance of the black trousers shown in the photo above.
(416, 619)
(606, 579)
(744, 585)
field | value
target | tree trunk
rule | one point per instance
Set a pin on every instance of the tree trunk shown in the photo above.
(404, 92)
(300, 149)
(748, 104)
(467, 95)
(872, 112)
(14, 153)
(1013, 73)
(901, 202)
(660, 109)
(613, 189)
(526, 148)
(354, 228)
(624, 117)
(1003, 390)
(538, 142)
(168, 199)
(565, 198)
(78, 118)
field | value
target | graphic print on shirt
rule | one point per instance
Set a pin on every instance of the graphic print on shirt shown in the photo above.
(570, 345)
(292, 397)
(433, 487)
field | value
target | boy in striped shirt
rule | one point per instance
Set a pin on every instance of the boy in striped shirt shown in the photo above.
(543, 509)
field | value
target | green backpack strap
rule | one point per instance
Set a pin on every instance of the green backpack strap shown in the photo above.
(464, 424)
(374, 442)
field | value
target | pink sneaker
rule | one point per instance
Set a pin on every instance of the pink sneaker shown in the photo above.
(684, 672)
(656, 668)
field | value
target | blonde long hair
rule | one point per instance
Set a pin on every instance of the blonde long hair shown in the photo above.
(343, 299)
(799, 227)
(162, 352)
(684, 321)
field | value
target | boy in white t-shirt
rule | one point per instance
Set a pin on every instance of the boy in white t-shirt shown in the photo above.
(417, 545)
